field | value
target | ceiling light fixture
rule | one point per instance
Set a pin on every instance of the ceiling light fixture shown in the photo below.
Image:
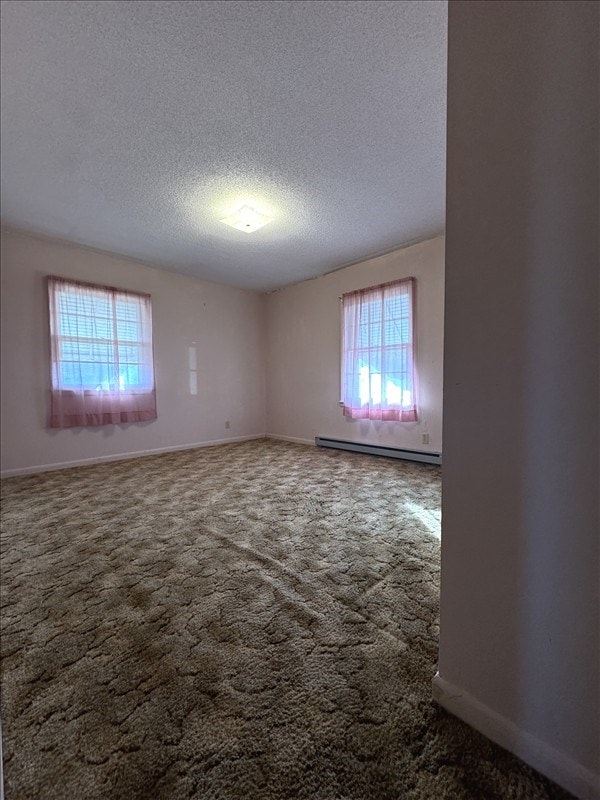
(247, 219)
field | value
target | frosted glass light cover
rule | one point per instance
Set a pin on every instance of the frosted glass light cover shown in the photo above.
(247, 219)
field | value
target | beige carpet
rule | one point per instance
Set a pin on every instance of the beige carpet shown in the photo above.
(254, 620)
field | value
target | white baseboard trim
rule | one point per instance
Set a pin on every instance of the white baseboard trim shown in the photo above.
(289, 439)
(557, 766)
(82, 462)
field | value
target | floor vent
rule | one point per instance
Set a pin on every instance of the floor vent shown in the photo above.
(380, 450)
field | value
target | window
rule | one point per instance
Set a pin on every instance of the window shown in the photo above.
(378, 369)
(102, 369)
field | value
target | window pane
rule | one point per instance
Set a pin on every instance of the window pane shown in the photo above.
(128, 321)
(396, 360)
(396, 305)
(73, 350)
(129, 377)
(373, 360)
(129, 354)
(397, 331)
(126, 309)
(82, 375)
(128, 331)
(85, 327)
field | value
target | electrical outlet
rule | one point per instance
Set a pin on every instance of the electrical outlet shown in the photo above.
(425, 438)
(227, 424)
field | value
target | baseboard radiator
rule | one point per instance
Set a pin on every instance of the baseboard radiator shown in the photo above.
(380, 450)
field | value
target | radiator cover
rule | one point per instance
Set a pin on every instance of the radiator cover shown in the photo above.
(380, 450)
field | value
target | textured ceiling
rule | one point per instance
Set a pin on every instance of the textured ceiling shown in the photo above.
(134, 127)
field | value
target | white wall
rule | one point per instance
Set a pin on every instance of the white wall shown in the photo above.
(520, 562)
(226, 324)
(303, 352)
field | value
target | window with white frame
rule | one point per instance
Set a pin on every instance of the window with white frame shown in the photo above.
(378, 352)
(102, 368)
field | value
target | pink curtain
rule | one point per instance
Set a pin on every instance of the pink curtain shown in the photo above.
(102, 369)
(378, 360)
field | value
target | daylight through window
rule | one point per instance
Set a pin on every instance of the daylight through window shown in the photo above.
(378, 359)
(102, 369)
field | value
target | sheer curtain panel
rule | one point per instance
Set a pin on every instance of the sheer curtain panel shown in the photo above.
(102, 369)
(378, 358)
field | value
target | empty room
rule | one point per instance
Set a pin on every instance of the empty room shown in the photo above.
(300, 400)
